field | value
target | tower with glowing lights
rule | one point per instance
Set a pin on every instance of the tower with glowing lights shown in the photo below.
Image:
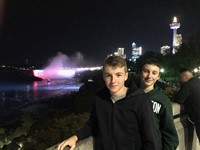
(177, 39)
(136, 52)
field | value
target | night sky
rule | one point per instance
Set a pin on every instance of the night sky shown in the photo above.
(38, 29)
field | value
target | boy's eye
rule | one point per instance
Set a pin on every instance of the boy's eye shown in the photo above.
(145, 71)
(119, 75)
(154, 73)
(106, 75)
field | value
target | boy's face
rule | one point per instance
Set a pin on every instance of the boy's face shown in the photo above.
(149, 75)
(185, 76)
(114, 78)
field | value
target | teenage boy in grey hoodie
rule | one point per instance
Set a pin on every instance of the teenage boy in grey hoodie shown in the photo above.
(121, 118)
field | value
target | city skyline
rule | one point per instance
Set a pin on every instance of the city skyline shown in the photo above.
(38, 30)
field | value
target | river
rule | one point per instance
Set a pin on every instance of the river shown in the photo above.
(38, 90)
(18, 96)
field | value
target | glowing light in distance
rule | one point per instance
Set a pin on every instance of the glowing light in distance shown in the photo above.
(65, 73)
(175, 19)
(54, 74)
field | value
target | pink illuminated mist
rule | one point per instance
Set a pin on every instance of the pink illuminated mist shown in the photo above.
(59, 67)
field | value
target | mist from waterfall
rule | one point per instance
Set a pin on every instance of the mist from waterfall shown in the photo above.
(60, 66)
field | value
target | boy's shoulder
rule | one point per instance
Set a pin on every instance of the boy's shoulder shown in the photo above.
(158, 95)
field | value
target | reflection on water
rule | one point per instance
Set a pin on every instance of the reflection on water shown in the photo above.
(16, 98)
(38, 89)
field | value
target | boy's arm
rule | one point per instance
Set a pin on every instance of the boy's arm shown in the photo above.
(89, 128)
(182, 94)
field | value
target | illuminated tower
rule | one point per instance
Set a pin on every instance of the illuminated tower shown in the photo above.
(120, 52)
(136, 52)
(177, 39)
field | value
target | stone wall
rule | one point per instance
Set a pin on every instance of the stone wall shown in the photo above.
(187, 135)
(86, 144)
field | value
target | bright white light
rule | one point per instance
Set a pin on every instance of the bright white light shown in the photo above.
(20, 145)
(175, 19)
(54, 73)
(38, 73)
(162, 70)
(88, 68)
(195, 70)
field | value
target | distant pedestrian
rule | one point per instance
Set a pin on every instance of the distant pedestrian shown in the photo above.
(189, 96)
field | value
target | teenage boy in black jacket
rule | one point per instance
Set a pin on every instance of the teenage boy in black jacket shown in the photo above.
(189, 96)
(121, 118)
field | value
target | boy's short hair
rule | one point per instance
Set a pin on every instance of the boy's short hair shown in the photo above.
(115, 61)
(185, 70)
(150, 61)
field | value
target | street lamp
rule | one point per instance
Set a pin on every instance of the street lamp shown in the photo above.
(195, 71)
(162, 70)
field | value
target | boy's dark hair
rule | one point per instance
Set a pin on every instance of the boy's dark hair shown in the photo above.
(150, 61)
(115, 61)
(185, 70)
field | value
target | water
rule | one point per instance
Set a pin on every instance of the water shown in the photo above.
(38, 90)
(15, 97)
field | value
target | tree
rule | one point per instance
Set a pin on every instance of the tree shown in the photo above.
(188, 56)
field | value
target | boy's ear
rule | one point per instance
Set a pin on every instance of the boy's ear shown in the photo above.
(159, 76)
(126, 76)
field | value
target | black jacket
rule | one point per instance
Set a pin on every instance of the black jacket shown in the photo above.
(189, 95)
(127, 124)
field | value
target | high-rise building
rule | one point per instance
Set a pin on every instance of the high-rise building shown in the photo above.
(119, 52)
(164, 50)
(177, 38)
(136, 52)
